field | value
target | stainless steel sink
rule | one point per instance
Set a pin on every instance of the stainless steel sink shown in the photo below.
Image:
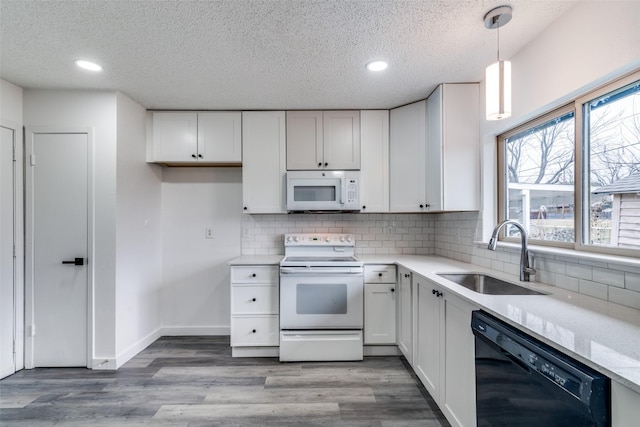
(484, 284)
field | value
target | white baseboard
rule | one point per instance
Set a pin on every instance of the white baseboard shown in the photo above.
(381, 350)
(177, 331)
(123, 357)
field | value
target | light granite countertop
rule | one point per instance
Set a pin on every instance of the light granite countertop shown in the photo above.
(600, 334)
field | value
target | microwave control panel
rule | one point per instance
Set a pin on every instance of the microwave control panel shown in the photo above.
(352, 191)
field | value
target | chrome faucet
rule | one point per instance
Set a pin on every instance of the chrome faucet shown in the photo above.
(525, 268)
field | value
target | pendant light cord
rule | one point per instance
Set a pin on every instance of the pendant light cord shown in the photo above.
(498, 30)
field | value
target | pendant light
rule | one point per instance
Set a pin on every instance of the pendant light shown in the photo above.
(498, 75)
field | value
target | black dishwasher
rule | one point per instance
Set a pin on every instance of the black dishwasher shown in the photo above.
(523, 382)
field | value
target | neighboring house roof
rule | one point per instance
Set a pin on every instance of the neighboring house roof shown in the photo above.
(630, 184)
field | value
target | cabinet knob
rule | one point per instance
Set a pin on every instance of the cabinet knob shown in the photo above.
(245, 208)
(421, 206)
(193, 155)
(326, 164)
(200, 155)
(253, 275)
(393, 289)
(427, 205)
(379, 274)
(364, 207)
(407, 275)
(253, 331)
(319, 164)
(253, 299)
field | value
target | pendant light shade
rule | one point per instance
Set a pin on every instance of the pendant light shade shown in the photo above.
(498, 87)
(498, 75)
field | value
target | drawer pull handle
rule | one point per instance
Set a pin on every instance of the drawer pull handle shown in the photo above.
(407, 275)
(253, 275)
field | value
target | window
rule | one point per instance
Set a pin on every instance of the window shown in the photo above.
(572, 177)
(611, 169)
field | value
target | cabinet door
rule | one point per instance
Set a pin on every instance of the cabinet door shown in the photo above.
(304, 140)
(175, 137)
(405, 314)
(434, 151)
(341, 140)
(220, 137)
(407, 158)
(428, 345)
(379, 313)
(263, 162)
(461, 147)
(458, 395)
(374, 169)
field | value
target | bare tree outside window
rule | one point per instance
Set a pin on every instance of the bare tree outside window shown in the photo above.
(540, 174)
(612, 139)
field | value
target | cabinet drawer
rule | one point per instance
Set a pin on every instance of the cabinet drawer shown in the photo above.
(380, 274)
(254, 299)
(255, 331)
(254, 274)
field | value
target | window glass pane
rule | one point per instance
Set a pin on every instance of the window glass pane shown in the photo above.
(612, 169)
(540, 179)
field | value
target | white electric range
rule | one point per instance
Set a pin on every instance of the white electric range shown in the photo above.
(321, 298)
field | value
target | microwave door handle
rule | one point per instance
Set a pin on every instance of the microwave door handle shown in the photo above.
(343, 189)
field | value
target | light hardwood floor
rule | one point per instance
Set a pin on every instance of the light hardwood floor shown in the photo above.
(194, 381)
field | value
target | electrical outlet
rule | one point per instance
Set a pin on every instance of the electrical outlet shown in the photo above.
(245, 231)
(208, 233)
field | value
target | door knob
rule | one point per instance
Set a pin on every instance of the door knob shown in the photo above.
(76, 261)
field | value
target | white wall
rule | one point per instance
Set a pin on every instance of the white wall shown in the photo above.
(96, 110)
(138, 235)
(11, 117)
(195, 274)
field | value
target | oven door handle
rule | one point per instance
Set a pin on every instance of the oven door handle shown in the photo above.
(306, 271)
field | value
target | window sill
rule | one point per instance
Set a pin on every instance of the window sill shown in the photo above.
(577, 256)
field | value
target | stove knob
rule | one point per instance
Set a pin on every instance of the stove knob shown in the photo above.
(288, 239)
(327, 239)
(296, 238)
(349, 238)
(342, 238)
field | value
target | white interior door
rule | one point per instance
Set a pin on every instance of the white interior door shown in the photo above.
(57, 185)
(7, 264)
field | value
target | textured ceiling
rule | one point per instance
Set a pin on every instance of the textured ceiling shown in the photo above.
(260, 54)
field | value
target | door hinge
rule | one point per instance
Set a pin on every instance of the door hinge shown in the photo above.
(14, 152)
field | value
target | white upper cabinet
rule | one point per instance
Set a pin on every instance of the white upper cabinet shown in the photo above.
(323, 140)
(453, 148)
(435, 152)
(407, 158)
(206, 138)
(374, 171)
(264, 162)
(220, 137)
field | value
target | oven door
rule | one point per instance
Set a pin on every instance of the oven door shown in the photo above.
(321, 298)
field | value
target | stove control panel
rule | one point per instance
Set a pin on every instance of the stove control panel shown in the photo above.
(319, 239)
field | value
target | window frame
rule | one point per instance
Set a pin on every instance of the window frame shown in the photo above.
(577, 106)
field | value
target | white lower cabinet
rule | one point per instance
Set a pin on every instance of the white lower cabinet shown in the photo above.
(380, 304)
(255, 320)
(444, 351)
(404, 316)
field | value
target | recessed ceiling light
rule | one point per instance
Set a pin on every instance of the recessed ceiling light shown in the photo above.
(87, 65)
(376, 66)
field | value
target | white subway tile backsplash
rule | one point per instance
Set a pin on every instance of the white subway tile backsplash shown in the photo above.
(608, 277)
(580, 271)
(451, 235)
(625, 297)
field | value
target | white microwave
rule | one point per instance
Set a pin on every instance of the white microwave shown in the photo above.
(323, 191)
